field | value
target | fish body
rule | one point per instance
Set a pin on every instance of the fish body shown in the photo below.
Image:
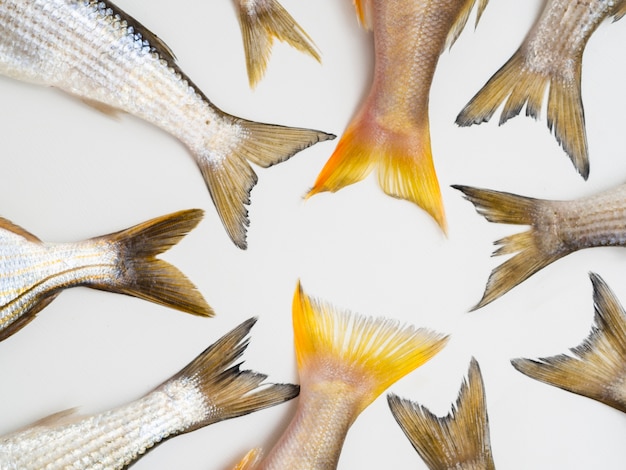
(345, 361)
(261, 21)
(557, 228)
(390, 132)
(550, 57)
(595, 369)
(93, 50)
(458, 441)
(211, 388)
(33, 273)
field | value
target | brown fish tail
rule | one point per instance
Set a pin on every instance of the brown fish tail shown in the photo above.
(533, 253)
(458, 440)
(228, 391)
(620, 11)
(597, 368)
(462, 17)
(258, 29)
(147, 277)
(231, 179)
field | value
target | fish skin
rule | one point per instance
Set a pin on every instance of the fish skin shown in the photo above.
(557, 228)
(550, 57)
(32, 272)
(596, 369)
(458, 441)
(93, 50)
(345, 361)
(210, 389)
(261, 21)
(391, 132)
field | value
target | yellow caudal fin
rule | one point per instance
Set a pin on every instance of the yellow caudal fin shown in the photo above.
(596, 369)
(458, 440)
(260, 23)
(250, 461)
(403, 160)
(517, 84)
(373, 353)
(533, 252)
(231, 179)
(144, 275)
(462, 17)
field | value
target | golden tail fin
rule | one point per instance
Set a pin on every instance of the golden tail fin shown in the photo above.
(250, 460)
(230, 180)
(462, 17)
(458, 440)
(260, 24)
(339, 344)
(534, 250)
(403, 159)
(516, 85)
(596, 370)
(147, 277)
(228, 391)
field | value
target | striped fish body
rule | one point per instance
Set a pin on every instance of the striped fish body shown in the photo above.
(33, 273)
(93, 50)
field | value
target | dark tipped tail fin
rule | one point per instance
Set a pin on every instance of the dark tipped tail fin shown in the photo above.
(533, 250)
(260, 25)
(230, 392)
(231, 179)
(517, 85)
(596, 369)
(143, 275)
(458, 440)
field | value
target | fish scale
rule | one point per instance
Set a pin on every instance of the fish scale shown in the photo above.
(95, 51)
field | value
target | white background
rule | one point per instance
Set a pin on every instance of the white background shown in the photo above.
(68, 173)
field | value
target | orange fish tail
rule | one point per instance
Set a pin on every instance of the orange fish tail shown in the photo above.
(403, 159)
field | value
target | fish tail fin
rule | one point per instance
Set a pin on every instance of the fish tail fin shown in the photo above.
(250, 460)
(259, 26)
(596, 369)
(620, 11)
(461, 19)
(455, 440)
(516, 85)
(403, 159)
(147, 277)
(370, 353)
(224, 389)
(231, 179)
(534, 250)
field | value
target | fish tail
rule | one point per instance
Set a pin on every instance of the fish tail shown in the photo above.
(535, 248)
(227, 391)
(259, 26)
(143, 275)
(250, 460)
(231, 179)
(458, 440)
(596, 369)
(403, 159)
(374, 353)
(620, 11)
(462, 17)
(516, 84)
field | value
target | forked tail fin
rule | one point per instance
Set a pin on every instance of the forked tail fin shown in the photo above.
(340, 344)
(403, 159)
(458, 440)
(533, 249)
(596, 369)
(260, 24)
(143, 275)
(517, 84)
(231, 179)
(229, 392)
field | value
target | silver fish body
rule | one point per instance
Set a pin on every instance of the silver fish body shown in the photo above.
(93, 50)
(33, 272)
(211, 388)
